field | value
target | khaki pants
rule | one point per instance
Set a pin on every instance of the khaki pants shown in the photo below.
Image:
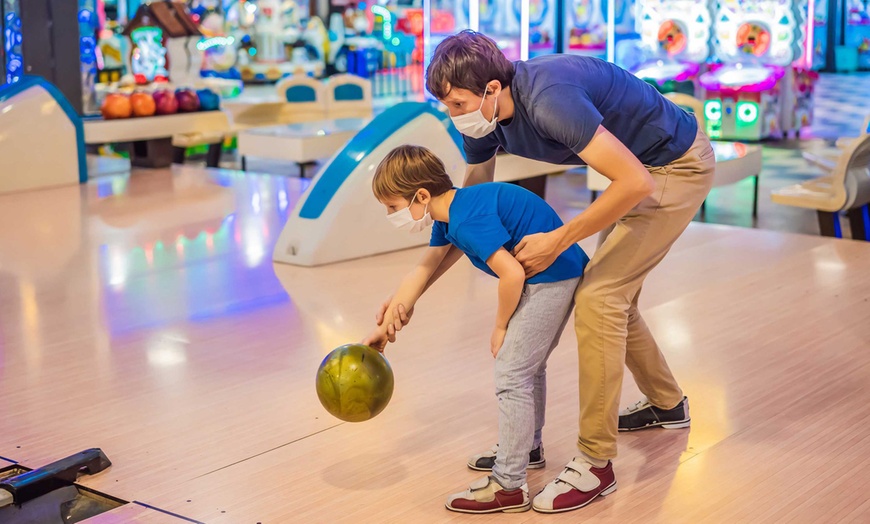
(610, 330)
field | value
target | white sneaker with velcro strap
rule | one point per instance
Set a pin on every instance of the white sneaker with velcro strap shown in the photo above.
(579, 484)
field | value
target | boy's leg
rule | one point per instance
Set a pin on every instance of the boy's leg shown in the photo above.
(528, 342)
(541, 382)
(610, 330)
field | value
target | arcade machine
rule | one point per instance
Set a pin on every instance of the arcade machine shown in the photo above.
(858, 30)
(219, 69)
(600, 28)
(268, 52)
(817, 11)
(522, 29)
(442, 18)
(674, 42)
(757, 41)
(542, 25)
(504, 25)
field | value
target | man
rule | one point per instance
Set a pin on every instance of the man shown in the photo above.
(578, 110)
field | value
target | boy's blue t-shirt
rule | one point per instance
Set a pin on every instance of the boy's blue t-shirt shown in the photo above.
(486, 217)
(559, 102)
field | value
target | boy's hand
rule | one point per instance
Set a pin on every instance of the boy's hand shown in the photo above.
(400, 318)
(538, 251)
(496, 340)
(378, 339)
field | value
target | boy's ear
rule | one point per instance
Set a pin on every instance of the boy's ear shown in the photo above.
(423, 196)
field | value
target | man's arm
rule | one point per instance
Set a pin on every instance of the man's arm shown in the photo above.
(480, 173)
(630, 184)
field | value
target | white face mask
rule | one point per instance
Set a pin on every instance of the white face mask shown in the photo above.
(403, 219)
(474, 124)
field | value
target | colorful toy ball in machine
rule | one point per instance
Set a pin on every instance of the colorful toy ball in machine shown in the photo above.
(208, 100)
(143, 104)
(165, 101)
(115, 106)
(354, 382)
(188, 102)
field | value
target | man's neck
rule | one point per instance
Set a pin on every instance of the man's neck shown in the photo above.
(505, 105)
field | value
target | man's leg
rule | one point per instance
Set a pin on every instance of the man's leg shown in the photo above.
(610, 330)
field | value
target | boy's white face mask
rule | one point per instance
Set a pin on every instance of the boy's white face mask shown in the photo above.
(403, 219)
(474, 124)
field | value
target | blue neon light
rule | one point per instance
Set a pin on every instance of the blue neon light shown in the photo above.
(12, 47)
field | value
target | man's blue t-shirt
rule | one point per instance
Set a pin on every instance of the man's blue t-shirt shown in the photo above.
(486, 217)
(559, 102)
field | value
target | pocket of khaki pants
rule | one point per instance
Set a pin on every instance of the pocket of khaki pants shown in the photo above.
(707, 153)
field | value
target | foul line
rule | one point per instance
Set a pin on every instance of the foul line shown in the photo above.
(268, 451)
(149, 506)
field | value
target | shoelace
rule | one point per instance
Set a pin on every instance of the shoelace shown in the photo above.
(636, 406)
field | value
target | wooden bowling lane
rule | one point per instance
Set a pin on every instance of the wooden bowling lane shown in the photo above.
(122, 339)
(143, 315)
(770, 346)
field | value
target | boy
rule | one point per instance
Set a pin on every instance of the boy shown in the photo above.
(576, 110)
(486, 222)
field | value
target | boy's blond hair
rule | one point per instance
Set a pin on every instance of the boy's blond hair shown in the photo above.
(407, 169)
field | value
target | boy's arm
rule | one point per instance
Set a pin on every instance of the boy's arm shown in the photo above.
(511, 278)
(410, 290)
(474, 174)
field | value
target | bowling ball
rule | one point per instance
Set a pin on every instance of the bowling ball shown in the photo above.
(143, 104)
(116, 105)
(208, 100)
(165, 102)
(188, 102)
(354, 382)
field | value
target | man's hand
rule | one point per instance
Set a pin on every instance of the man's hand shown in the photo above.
(537, 252)
(400, 318)
(496, 341)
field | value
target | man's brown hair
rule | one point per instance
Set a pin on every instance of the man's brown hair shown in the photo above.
(467, 60)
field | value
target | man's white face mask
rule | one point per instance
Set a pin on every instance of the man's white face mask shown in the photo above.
(474, 124)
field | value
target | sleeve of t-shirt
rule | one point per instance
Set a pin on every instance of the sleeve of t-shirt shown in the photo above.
(565, 113)
(439, 235)
(479, 150)
(483, 235)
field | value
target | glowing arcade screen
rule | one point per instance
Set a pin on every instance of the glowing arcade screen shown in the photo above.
(758, 32)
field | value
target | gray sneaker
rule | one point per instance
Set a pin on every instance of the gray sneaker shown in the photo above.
(644, 415)
(485, 461)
